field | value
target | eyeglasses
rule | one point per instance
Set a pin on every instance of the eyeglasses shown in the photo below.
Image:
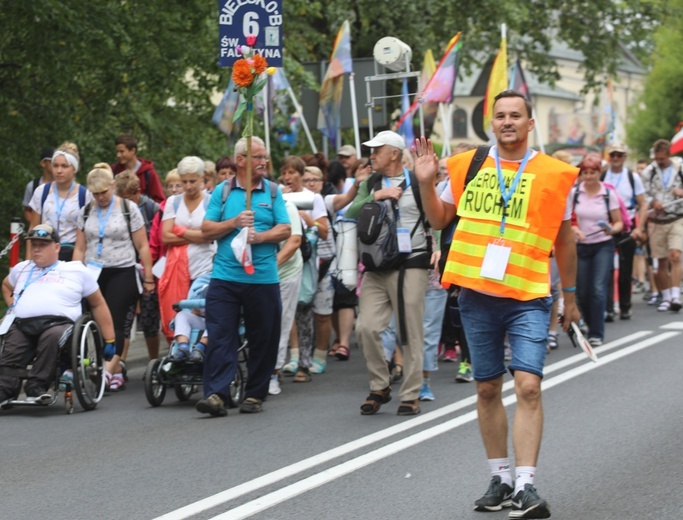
(40, 233)
(258, 157)
(310, 180)
(617, 154)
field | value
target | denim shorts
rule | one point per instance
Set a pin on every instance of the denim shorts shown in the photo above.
(486, 320)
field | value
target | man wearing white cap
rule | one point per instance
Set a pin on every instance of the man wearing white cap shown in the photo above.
(399, 290)
(347, 155)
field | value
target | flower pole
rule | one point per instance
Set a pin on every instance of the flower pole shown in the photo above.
(245, 73)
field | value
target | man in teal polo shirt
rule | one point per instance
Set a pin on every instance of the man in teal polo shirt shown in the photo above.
(233, 290)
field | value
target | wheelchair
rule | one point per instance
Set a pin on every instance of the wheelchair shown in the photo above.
(82, 352)
(186, 378)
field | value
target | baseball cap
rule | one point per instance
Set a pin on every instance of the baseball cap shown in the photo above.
(43, 232)
(47, 154)
(347, 150)
(617, 147)
(387, 137)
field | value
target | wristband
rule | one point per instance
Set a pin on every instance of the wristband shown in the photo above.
(110, 340)
(569, 289)
(148, 281)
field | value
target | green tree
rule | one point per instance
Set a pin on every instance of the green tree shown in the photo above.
(660, 107)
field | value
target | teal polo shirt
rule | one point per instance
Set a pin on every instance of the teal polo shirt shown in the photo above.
(268, 212)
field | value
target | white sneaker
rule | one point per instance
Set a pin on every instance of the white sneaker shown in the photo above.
(274, 385)
(664, 306)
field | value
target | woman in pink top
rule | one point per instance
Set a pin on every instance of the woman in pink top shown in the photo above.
(598, 219)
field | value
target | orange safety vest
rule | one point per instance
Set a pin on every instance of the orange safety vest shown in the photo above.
(535, 214)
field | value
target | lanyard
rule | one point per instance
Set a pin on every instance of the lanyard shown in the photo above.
(506, 194)
(30, 279)
(406, 175)
(618, 177)
(669, 172)
(60, 203)
(103, 222)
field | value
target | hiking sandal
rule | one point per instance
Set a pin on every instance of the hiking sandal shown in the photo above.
(375, 400)
(409, 408)
(303, 375)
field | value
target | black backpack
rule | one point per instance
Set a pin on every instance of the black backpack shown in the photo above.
(448, 232)
(377, 239)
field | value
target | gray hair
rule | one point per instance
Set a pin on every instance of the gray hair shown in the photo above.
(191, 164)
(241, 146)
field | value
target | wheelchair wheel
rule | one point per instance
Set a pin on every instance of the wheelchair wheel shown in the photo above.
(87, 362)
(155, 391)
(183, 392)
(236, 389)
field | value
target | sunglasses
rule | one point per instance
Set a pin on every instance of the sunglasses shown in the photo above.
(41, 233)
(617, 154)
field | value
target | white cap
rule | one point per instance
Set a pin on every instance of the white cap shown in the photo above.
(387, 137)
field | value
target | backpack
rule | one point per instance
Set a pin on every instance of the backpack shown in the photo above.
(631, 181)
(306, 246)
(625, 217)
(448, 232)
(377, 227)
(46, 191)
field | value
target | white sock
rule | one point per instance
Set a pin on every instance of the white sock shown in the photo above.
(675, 293)
(501, 467)
(666, 295)
(525, 475)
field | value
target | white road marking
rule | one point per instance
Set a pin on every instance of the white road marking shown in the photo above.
(285, 493)
(674, 325)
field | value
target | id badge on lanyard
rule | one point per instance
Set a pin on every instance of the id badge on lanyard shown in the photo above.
(95, 268)
(496, 260)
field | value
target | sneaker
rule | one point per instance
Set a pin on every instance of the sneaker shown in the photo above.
(252, 405)
(5, 398)
(38, 395)
(66, 379)
(527, 504)
(638, 287)
(212, 405)
(675, 305)
(497, 496)
(290, 368)
(464, 374)
(450, 356)
(609, 317)
(595, 342)
(508, 352)
(655, 299)
(317, 366)
(274, 385)
(180, 355)
(426, 393)
(197, 355)
(396, 374)
(625, 315)
(664, 306)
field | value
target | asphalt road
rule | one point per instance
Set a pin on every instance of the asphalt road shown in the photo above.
(611, 448)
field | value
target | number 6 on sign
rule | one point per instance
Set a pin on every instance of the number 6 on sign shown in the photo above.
(250, 25)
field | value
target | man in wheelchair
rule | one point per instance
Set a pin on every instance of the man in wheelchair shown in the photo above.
(44, 298)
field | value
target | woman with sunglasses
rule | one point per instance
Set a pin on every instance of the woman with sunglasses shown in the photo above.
(58, 202)
(598, 219)
(111, 234)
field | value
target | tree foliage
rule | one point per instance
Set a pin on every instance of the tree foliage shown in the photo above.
(85, 71)
(660, 107)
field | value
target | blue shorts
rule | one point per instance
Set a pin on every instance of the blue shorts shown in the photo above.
(486, 319)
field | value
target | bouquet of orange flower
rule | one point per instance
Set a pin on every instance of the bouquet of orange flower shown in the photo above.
(246, 74)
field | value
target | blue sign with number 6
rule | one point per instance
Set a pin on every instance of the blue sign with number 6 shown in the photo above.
(238, 19)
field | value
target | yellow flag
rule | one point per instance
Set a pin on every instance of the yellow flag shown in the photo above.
(498, 81)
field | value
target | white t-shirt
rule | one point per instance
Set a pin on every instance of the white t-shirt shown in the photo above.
(621, 183)
(199, 256)
(295, 264)
(67, 224)
(447, 193)
(58, 292)
(118, 249)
